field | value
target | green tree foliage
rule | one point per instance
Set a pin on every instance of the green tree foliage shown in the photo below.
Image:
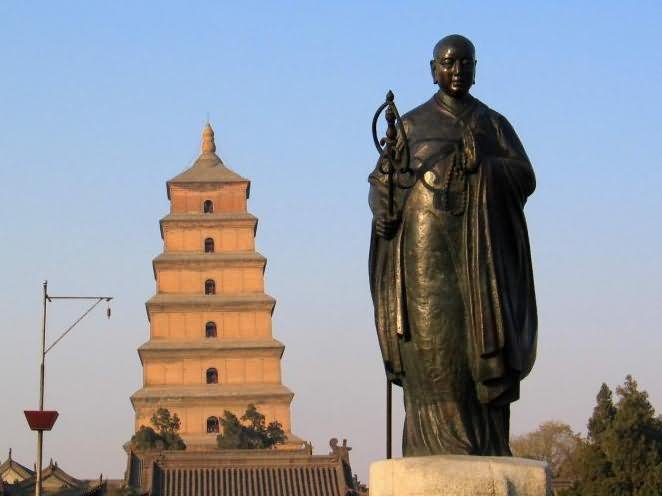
(603, 414)
(164, 422)
(553, 442)
(167, 437)
(251, 432)
(622, 455)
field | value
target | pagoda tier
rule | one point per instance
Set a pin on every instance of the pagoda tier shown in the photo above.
(211, 347)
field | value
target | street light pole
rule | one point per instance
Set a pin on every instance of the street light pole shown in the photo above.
(40, 432)
(42, 420)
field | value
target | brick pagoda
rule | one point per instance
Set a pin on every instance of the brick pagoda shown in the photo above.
(210, 346)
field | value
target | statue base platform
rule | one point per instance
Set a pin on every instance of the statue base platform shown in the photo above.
(458, 475)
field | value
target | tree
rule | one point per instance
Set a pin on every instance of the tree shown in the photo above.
(231, 438)
(164, 422)
(553, 442)
(253, 433)
(603, 414)
(633, 443)
(622, 455)
(167, 437)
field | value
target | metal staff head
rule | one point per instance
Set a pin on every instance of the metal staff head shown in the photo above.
(389, 152)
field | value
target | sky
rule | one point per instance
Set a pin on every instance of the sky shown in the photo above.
(102, 102)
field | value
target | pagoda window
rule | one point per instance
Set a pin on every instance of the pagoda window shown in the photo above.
(209, 245)
(210, 287)
(212, 376)
(212, 425)
(208, 207)
(210, 330)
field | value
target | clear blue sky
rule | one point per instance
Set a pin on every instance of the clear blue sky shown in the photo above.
(102, 102)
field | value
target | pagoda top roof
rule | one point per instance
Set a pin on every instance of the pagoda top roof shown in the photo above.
(208, 167)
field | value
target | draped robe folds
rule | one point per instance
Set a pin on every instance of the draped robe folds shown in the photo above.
(453, 291)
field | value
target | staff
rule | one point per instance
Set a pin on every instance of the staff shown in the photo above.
(389, 157)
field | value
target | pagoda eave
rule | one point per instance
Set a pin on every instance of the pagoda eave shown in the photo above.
(194, 184)
(209, 260)
(206, 394)
(210, 220)
(179, 303)
(211, 183)
(156, 349)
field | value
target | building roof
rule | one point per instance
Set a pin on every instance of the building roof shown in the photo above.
(10, 465)
(56, 482)
(208, 167)
(242, 473)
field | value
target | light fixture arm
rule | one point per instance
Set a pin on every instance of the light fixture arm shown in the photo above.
(99, 300)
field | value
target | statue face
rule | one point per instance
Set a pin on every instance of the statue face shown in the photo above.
(454, 67)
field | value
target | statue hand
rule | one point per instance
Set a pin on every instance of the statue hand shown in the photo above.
(469, 151)
(386, 226)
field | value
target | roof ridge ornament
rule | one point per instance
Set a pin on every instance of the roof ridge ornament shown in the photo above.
(208, 144)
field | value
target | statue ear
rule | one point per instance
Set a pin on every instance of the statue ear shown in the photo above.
(434, 78)
(475, 65)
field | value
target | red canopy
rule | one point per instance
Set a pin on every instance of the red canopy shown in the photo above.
(41, 420)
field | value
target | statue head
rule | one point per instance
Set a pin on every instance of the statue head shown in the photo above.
(453, 65)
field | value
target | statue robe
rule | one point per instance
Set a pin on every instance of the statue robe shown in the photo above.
(453, 292)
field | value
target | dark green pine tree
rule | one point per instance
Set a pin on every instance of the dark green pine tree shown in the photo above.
(254, 433)
(623, 453)
(231, 437)
(167, 437)
(603, 414)
(592, 465)
(633, 443)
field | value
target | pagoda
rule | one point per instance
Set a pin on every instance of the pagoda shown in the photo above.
(210, 346)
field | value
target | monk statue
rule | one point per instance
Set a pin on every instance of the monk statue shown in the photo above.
(450, 267)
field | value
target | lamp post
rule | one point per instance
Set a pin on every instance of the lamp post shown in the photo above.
(43, 420)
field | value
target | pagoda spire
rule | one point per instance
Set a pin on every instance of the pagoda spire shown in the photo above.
(208, 144)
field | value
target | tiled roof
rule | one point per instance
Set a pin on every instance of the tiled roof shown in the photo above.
(247, 473)
(56, 482)
(13, 465)
(251, 481)
(208, 168)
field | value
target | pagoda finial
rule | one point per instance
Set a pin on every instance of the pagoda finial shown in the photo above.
(208, 144)
(9, 454)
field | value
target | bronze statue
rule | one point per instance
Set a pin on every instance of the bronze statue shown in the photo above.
(450, 265)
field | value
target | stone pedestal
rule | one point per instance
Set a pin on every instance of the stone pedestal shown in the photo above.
(456, 475)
